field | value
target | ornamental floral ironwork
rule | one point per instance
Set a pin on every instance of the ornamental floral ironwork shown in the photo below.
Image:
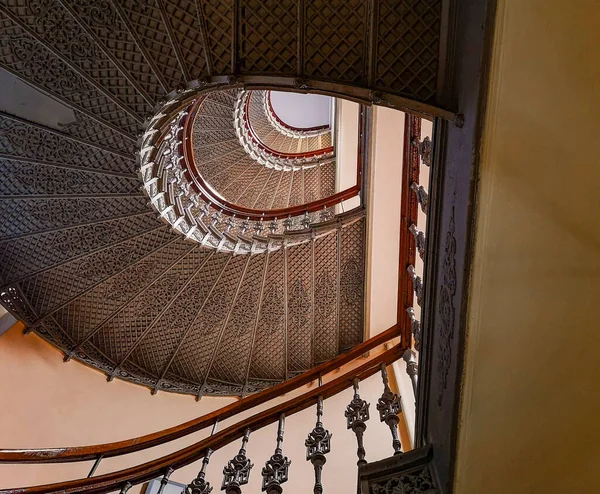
(275, 471)
(237, 471)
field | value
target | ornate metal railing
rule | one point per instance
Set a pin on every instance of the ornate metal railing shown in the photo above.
(237, 471)
(186, 201)
(402, 340)
(252, 142)
(417, 153)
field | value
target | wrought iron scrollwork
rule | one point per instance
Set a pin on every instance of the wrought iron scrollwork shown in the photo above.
(389, 407)
(237, 471)
(357, 414)
(275, 471)
(200, 485)
(318, 444)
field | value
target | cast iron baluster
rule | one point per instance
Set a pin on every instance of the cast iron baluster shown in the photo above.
(125, 488)
(389, 407)
(419, 240)
(95, 465)
(275, 471)
(165, 480)
(425, 148)
(412, 368)
(318, 444)
(415, 327)
(200, 485)
(357, 414)
(417, 284)
(422, 195)
(237, 471)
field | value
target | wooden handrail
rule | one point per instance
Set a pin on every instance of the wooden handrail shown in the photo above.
(408, 215)
(152, 469)
(85, 453)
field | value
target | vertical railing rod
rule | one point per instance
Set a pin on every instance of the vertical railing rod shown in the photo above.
(95, 465)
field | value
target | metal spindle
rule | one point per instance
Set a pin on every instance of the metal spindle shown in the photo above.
(412, 368)
(389, 407)
(165, 480)
(415, 326)
(318, 444)
(200, 485)
(125, 488)
(275, 471)
(417, 283)
(357, 414)
(422, 195)
(419, 240)
(237, 471)
(425, 148)
(95, 465)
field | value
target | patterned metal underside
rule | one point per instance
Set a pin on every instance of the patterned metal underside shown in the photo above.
(84, 260)
(227, 167)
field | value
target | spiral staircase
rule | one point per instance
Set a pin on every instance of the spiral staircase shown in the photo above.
(176, 233)
(86, 264)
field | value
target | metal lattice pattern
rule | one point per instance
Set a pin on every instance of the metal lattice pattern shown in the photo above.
(335, 34)
(235, 174)
(268, 36)
(84, 260)
(407, 52)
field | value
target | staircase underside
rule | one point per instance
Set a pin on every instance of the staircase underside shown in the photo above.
(85, 262)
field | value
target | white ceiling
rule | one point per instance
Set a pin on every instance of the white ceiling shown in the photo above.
(302, 110)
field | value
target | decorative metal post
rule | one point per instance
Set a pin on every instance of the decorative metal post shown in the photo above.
(165, 480)
(237, 471)
(417, 283)
(389, 407)
(200, 485)
(318, 444)
(422, 196)
(412, 368)
(125, 488)
(357, 414)
(415, 326)
(275, 471)
(425, 148)
(419, 240)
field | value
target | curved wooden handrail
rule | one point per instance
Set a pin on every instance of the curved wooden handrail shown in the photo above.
(206, 191)
(86, 453)
(152, 469)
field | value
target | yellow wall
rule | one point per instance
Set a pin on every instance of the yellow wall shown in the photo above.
(531, 401)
